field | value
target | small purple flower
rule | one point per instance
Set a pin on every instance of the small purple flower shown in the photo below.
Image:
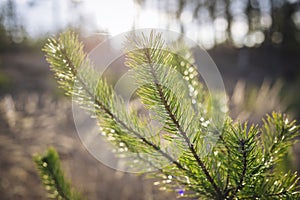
(181, 192)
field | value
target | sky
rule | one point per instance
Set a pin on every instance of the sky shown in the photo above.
(114, 16)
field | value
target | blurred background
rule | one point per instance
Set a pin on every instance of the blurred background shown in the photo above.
(254, 43)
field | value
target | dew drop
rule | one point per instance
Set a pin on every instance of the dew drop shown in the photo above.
(45, 177)
(286, 121)
(48, 187)
(293, 128)
(121, 144)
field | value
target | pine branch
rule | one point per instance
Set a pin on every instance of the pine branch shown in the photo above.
(115, 118)
(277, 134)
(179, 128)
(228, 154)
(153, 56)
(242, 176)
(184, 62)
(53, 177)
(274, 188)
(73, 70)
(241, 163)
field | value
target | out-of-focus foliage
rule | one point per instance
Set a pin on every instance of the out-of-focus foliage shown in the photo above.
(11, 30)
(239, 22)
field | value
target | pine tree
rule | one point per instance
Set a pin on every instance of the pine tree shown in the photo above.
(191, 154)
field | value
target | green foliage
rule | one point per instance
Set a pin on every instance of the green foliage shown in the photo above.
(191, 154)
(53, 177)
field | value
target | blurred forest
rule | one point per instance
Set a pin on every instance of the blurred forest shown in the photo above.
(254, 43)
